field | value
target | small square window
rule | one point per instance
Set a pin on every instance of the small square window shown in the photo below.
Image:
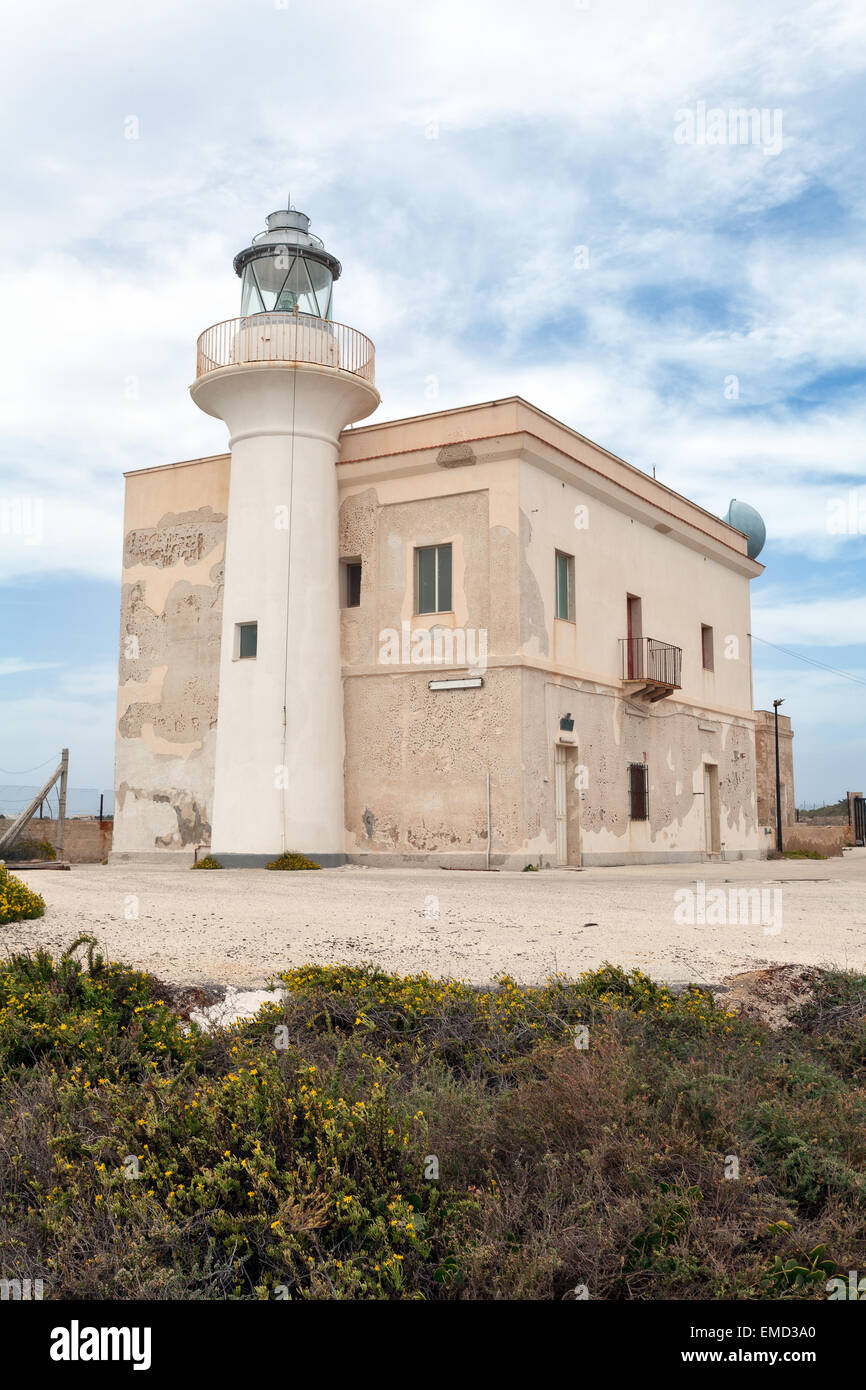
(247, 640)
(350, 583)
(638, 797)
(565, 586)
(433, 579)
(707, 647)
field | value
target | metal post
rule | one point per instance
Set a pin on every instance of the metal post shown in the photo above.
(61, 812)
(101, 799)
(776, 704)
(487, 865)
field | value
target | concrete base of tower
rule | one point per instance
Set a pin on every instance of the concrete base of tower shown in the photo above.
(261, 861)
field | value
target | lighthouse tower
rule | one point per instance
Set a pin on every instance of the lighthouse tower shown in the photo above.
(286, 379)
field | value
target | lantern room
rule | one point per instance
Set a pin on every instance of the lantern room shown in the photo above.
(286, 269)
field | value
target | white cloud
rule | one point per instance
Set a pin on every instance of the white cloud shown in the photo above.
(14, 665)
(555, 128)
(835, 621)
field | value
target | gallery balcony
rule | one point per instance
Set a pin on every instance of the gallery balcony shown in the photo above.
(651, 669)
(285, 339)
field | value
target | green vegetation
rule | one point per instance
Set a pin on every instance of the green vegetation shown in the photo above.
(383, 1137)
(207, 863)
(290, 860)
(837, 808)
(802, 854)
(30, 849)
(17, 901)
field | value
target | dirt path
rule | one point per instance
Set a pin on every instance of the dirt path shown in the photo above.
(240, 926)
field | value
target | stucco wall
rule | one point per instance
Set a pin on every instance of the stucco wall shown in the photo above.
(417, 760)
(171, 608)
(765, 754)
(609, 733)
(503, 484)
(823, 839)
(682, 586)
(616, 555)
(417, 764)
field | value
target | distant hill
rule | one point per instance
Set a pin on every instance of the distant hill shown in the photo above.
(838, 808)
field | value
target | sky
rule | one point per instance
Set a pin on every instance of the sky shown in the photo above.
(550, 201)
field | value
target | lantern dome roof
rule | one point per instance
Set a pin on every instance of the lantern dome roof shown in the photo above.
(290, 229)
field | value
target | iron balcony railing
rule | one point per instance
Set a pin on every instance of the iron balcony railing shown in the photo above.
(280, 338)
(647, 659)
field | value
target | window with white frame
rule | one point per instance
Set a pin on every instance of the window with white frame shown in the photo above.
(433, 579)
(564, 586)
(246, 641)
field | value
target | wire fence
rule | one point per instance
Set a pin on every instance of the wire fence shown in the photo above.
(80, 801)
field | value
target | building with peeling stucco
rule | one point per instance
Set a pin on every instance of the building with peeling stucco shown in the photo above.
(466, 638)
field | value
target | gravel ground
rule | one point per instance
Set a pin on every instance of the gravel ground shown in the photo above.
(237, 927)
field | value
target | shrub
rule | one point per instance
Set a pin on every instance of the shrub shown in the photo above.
(207, 863)
(375, 1136)
(96, 1017)
(30, 849)
(792, 1276)
(17, 901)
(290, 860)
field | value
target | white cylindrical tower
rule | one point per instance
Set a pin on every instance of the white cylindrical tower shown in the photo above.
(287, 380)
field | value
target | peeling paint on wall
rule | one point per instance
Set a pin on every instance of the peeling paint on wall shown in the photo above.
(416, 761)
(171, 612)
(178, 538)
(192, 828)
(672, 745)
(455, 456)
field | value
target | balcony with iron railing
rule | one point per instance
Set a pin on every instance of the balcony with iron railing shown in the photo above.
(653, 665)
(285, 339)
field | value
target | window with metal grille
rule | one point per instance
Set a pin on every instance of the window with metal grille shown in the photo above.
(638, 791)
(433, 579)
(565, 586)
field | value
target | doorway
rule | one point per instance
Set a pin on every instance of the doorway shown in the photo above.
(566, 784)
(634, 633)
(712, 840)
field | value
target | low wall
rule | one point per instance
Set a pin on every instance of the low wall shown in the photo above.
(825, 820)
(84, 841)
(823, 839)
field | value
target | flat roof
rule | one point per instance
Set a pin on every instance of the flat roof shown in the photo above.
(356, 439)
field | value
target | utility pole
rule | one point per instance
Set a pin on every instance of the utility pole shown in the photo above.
(776, 704)
(61, 808)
